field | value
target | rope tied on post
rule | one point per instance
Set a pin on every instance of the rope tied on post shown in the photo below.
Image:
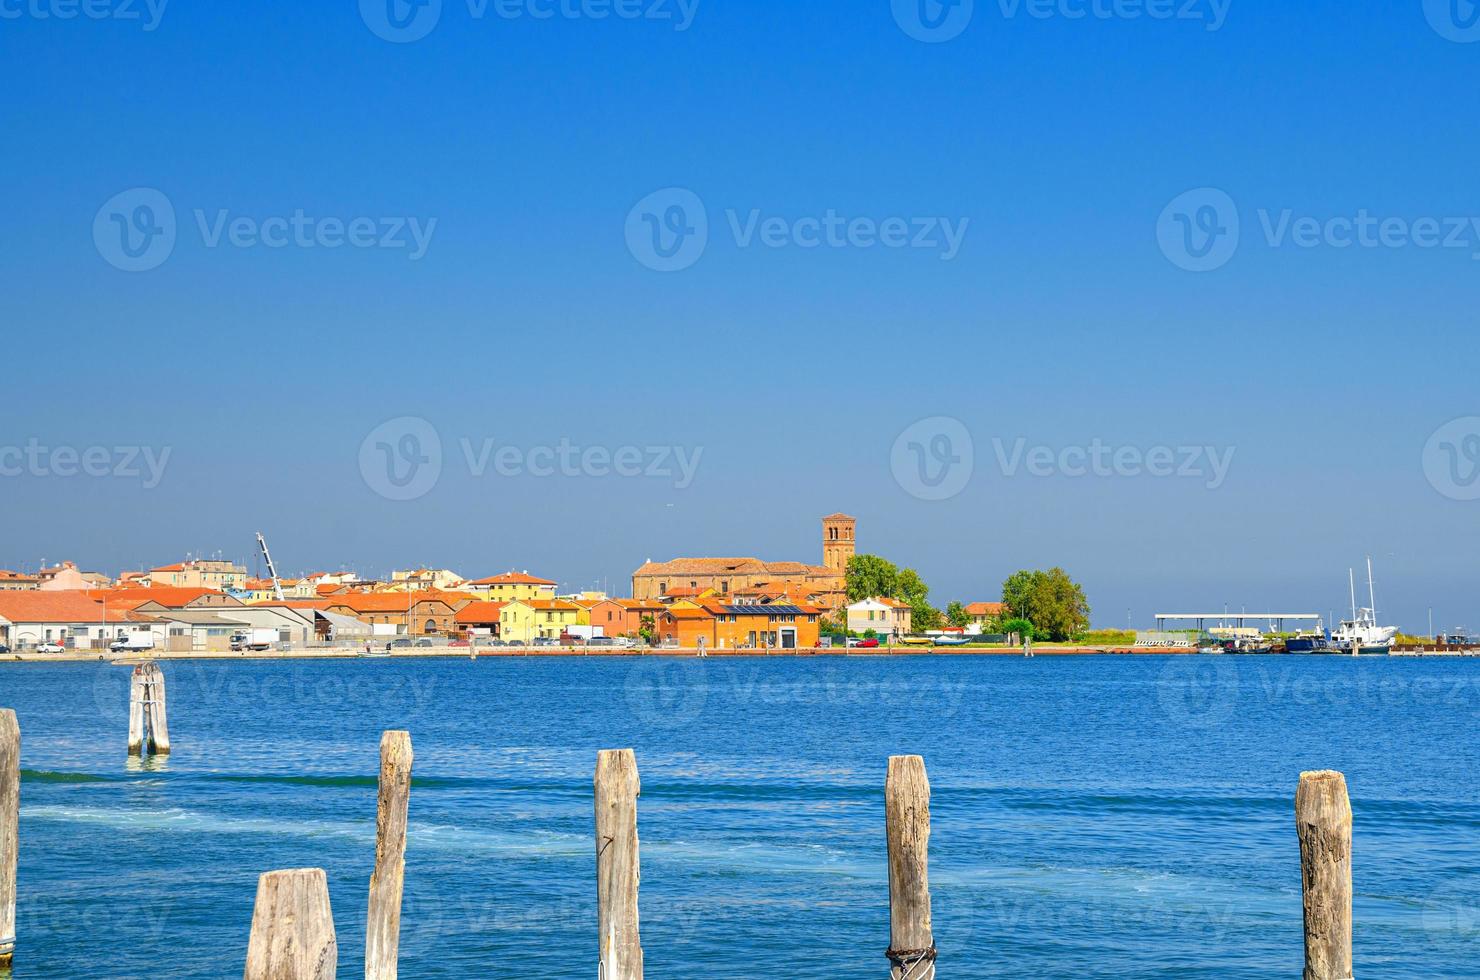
(905, 960)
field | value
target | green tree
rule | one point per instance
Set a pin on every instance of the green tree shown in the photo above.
(868, 576)
(956, 614)
(1052, 601)
(1022, 627)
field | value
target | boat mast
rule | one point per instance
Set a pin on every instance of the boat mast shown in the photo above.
(1352, 578)
(1371, 592)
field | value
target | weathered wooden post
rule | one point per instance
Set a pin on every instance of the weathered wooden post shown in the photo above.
(148, 724)
(292, 928)
(383, 928)
(907, 823)
(1323, 821)
(10, 811)
(159, 726)
(617, 874)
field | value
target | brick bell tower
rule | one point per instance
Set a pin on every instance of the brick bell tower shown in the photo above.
(838, 544)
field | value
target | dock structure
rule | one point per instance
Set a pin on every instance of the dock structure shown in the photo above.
(292, 928)
(10, 802)
(1277, 620)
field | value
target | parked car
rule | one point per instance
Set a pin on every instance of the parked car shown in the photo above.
(4, 648)
(460, 643)
(424, 642)
(49, 647)
(402, 642)
(625, 642)
(601, 641)
(494, 643)
(544, 641)
(867, 644)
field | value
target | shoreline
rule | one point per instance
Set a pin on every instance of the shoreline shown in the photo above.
(455, 653)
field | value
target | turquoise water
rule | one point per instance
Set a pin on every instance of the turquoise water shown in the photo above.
(1091, 817)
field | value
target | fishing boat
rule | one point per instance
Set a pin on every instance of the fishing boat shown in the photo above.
(1361, 635)
(950, 641)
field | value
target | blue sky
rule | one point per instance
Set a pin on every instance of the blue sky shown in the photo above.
(1061, 321)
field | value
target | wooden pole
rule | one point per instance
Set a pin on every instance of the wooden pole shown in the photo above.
(617, 874)
(907, 824)
(1323, 821)
(383, 928)
(292, 928)
(136, 698)
(159, 726)
(10, 809)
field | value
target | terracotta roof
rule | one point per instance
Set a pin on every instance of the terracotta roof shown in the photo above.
(513, 578)
(71, 606)
(171, 596)
(384, 601)
(552, 605)
(177, 567)
(985, 608)
(840, 517)
(690, 612)
(734, 566)
(480, 612)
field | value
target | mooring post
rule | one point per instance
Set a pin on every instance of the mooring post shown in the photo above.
(10, 811)
(292, 928)
(617, 873)
(907, 823)
(148, 723)
(383, 928)
(159, 726)
(1323, 821)
(136, 714)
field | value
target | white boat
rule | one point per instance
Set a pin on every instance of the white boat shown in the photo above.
(1361, 634)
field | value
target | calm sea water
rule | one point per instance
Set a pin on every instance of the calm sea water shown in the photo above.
(1092, 817)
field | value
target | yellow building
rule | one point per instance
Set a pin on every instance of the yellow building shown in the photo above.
(511, 587)
(523, 620)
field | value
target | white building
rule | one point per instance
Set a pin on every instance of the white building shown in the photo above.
(886, 617)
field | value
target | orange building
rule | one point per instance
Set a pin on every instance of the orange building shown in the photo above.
(735, 626)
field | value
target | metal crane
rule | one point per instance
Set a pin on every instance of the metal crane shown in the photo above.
(277, 587)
